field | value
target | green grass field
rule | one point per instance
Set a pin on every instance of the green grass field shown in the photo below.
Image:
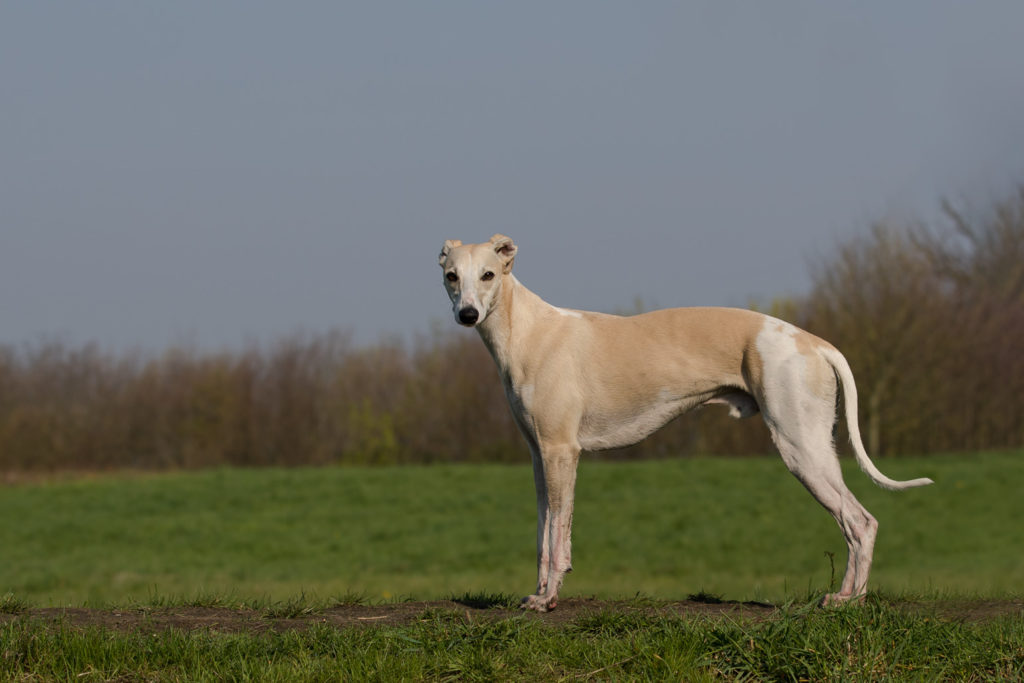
(738, 528)
(294, 542)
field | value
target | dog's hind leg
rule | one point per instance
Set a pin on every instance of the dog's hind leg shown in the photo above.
(859, 527)
(800, 422)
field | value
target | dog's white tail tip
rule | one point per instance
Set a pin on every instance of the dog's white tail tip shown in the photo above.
(894, 485)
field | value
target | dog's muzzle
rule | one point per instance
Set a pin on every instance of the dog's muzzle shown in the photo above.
(469, 316)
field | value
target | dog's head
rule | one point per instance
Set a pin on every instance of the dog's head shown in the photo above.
(473, 274)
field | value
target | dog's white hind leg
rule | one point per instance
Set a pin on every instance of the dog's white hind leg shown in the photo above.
(555, 478)
(800, 419)
(859, 527)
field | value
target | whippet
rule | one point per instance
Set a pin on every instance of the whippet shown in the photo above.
(577, 380)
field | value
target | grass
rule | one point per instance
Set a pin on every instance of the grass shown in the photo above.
(11, 604)
(710, 529)
(874, 641)
(739, 528)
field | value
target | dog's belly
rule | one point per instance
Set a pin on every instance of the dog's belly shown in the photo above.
(603, 429)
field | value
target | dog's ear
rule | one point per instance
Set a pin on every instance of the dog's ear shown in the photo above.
(506, 251)
(448, 246)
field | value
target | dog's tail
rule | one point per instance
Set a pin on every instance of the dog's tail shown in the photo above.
(849, 389)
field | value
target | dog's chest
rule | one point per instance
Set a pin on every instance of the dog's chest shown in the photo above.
(520, 397)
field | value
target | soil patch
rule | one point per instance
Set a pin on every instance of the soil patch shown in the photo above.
(227, 620)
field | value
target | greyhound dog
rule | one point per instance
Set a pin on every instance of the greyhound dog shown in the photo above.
(577, 380)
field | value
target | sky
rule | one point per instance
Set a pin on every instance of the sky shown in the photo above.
(221, 173)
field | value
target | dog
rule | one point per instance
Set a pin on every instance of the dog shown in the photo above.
(577, 380)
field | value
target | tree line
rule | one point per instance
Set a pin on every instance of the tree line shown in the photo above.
(931, 318)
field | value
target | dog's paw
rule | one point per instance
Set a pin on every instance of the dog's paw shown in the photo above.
(538, 603)
(834, 599)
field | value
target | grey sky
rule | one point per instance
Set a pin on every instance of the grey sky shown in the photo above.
(217, 172)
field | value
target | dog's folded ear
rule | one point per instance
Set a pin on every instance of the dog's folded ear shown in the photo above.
(448, 246)
(505, 249)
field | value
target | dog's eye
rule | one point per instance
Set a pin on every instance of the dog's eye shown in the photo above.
(452, 277)
(487, 276)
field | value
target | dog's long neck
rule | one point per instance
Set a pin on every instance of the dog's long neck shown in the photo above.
(507, 325)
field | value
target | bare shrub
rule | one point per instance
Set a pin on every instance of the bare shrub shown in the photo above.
(930, 317)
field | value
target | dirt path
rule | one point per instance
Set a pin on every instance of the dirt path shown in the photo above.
(403, 613)
(256, 621)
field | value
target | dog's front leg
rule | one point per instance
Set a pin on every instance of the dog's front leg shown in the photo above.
(554, 471)
(543, 529)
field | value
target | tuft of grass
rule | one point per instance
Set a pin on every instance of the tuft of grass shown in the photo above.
(209, 599)
(12, 604)
(291, 609)
(640, 600)
(201, 598)
(350, 598)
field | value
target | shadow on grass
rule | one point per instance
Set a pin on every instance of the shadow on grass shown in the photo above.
(705, 598)
(486, 600)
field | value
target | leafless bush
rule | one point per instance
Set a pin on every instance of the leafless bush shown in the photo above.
(309, 399)
(930, 317)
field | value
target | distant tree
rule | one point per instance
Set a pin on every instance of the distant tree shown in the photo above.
(875, 301)
(931, 319)
(979, 259)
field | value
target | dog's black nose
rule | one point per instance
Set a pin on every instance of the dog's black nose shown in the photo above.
(468, 316)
